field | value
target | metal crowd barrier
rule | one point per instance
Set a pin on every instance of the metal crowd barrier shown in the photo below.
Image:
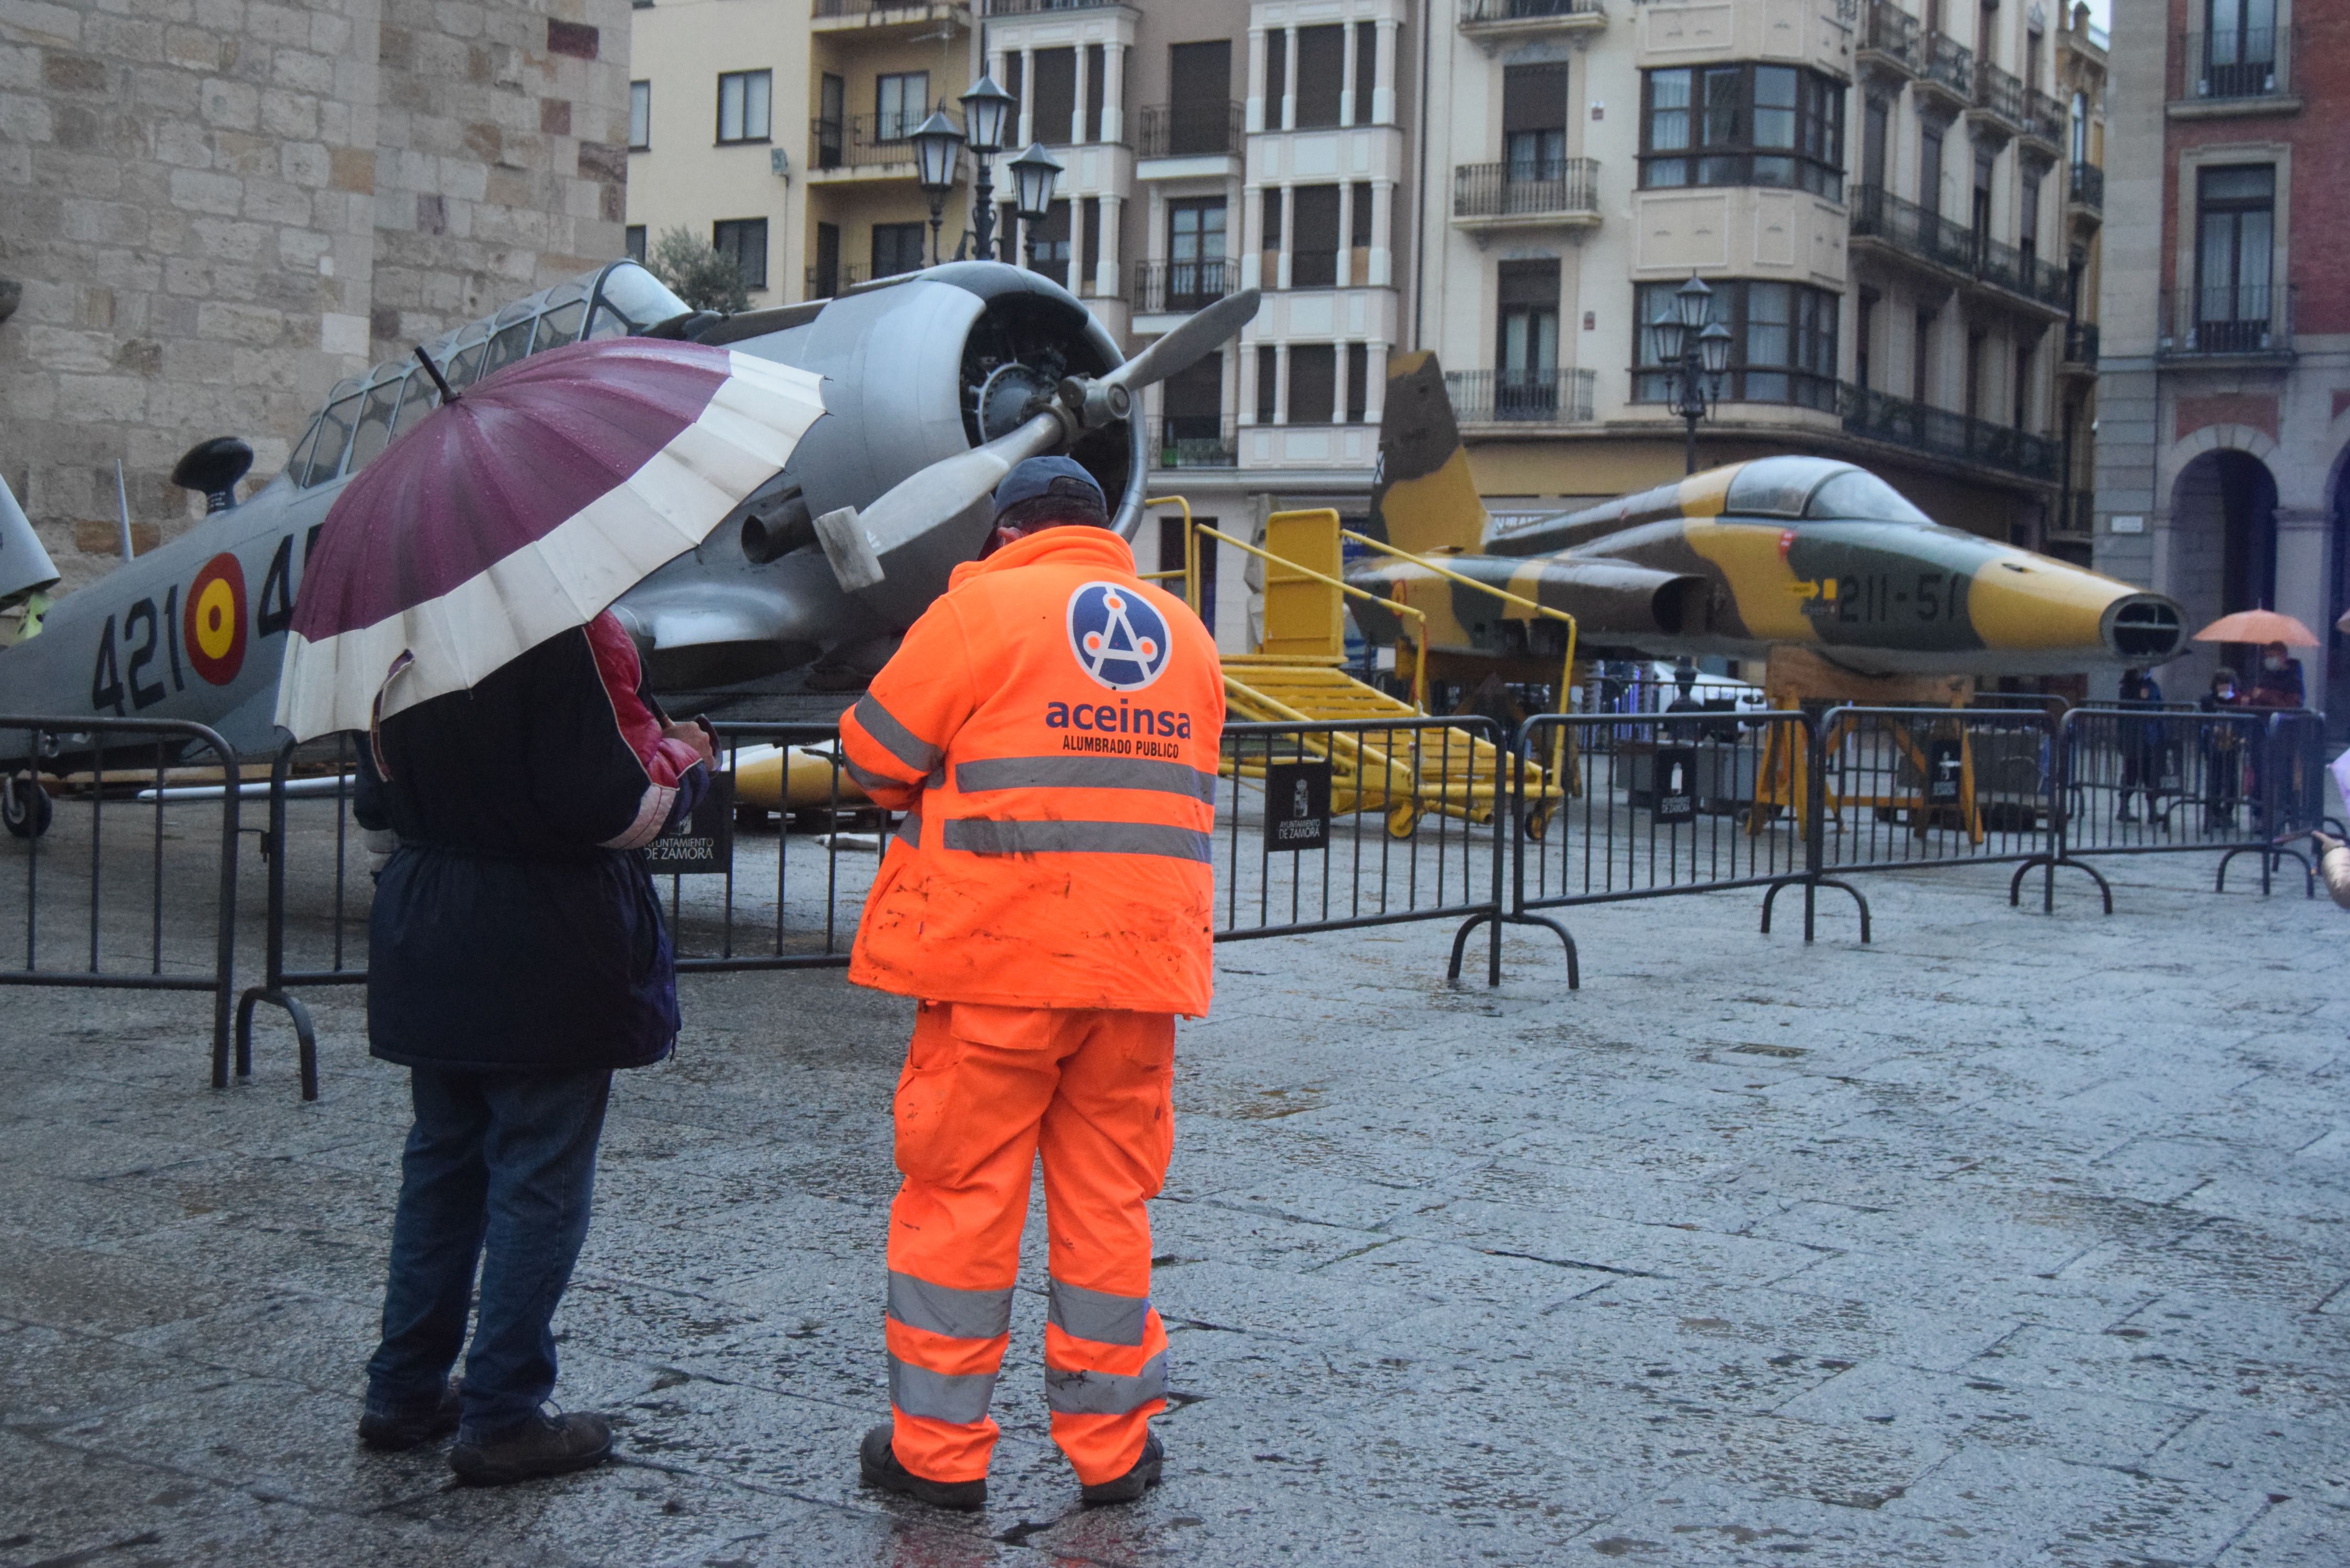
(93, 846)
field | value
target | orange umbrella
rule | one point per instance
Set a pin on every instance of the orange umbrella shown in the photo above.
(2258, 626)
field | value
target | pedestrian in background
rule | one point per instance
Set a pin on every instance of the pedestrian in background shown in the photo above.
(1051, 726)
(2143, 743)
(2222, 752)
(516, 958)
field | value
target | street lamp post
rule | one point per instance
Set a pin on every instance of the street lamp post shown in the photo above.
(987, 111)
(1034, 174)
(1694, 353)
(937, 149)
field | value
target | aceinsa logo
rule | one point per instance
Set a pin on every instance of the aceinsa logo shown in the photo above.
(1119, 639)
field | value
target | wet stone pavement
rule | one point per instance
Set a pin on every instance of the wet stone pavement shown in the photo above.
(2007, 1240)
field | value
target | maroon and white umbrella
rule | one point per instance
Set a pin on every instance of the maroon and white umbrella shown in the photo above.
(523, 509)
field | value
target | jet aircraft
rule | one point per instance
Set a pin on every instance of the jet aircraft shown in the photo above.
(1784, 552)
(935, 383)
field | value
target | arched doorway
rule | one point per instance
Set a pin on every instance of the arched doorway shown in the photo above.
(2224, 518)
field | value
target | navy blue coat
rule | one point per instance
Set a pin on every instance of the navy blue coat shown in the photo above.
(508, 932)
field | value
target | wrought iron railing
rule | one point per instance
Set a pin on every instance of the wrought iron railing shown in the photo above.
(1476, 12)
(2224, 63)
(826, 10)
(1527, 188)
(2043, 117)
(1195, 441)
(2081, 343)
(1887, 30)
(1210, 127)
(863, 141)
(1563, 396)
(1999, 92)
(1951, 63)
(1039, 7)
(1877, 213)
(1184, 285)
(2089, 186)
(1879, 416)
(2252, 319)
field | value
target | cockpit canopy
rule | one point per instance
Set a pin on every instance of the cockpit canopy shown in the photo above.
(363, 414)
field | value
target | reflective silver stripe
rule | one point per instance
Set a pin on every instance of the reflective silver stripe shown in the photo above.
(942, 1309)
(982, 836)
(1085, 772)
(1105, 1393)
(895, 738)
(1096, 1315)
(919, 1391)
(866, 778)
(911, 830)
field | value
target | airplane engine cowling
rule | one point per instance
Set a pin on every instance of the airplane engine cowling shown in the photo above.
(1613, 600)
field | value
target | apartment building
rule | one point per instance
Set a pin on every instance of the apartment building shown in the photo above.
(2224, 377)
(1875, 196)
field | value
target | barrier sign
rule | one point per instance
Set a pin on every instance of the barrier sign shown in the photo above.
(1297, 805)
(1676, 776)
(703, 842)
(1945, 771)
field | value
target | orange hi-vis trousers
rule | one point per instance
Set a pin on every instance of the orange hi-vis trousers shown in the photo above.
(985, 1091)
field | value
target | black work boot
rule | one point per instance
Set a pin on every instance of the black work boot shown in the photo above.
(878, 1465)
(544, 1446)
(396, 1434)
(1134, 1482)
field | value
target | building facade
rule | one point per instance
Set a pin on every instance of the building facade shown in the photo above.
(1875, 196)
(214, 213)
(2224, 383)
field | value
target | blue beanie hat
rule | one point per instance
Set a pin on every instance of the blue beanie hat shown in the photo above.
(1037, 477)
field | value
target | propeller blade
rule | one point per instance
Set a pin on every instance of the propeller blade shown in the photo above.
(1188, 344)
(858, 545)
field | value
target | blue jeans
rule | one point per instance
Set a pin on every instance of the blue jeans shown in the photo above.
(500, 1169)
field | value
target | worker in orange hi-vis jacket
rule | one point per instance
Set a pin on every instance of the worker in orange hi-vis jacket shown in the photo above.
(1051, 727)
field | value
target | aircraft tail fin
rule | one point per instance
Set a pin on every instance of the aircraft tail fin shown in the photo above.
(1422, 498)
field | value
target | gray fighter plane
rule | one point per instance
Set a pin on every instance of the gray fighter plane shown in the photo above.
(935, 383)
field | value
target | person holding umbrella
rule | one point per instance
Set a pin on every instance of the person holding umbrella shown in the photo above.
(453, 613)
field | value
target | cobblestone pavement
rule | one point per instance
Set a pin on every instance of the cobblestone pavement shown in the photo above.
(2006, 1241)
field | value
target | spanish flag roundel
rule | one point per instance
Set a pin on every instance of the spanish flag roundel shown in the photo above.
(214, 624)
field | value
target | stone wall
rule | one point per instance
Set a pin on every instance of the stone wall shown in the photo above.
(217, 208)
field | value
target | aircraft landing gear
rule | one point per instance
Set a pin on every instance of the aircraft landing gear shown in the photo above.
(25, 808)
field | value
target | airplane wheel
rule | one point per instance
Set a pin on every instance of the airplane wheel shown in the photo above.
(1537, 822)
(1403, 821)
(25, 808)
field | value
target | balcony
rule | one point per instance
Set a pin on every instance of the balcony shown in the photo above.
(2251, 323)
(1950, 70)
(1997, 102)
(2080, 348)
(1556, 397)
(2086, 187)
(1182, 286)
(884, 16)
(2045, 119)
(1532, 193)
(1889, 42)
(1045, 7)
(1195, 441)
(1214, 128)
(1939, 432)
(863, 146)
(1496, 23)
(2243, 70)
(1909, 231)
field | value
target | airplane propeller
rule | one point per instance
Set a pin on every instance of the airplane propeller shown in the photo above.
(857, 542)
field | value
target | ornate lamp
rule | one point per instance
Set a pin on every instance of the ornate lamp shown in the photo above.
(938, 150)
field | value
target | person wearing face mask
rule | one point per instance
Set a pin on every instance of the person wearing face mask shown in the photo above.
(2224, 752)
(2277, 683)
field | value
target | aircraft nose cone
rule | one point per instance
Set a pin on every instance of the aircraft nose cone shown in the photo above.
(2144, 628)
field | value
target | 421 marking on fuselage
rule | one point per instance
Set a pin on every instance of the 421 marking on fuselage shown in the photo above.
(207, 638)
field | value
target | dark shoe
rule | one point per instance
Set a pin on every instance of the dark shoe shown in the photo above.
(396, 1434)
(877, 1465)
(1134, 1482)
(547, 1446)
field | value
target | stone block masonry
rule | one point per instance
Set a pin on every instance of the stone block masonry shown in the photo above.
(218, 208)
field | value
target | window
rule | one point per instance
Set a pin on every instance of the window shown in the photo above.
(1051, 241)
(1195, 254)
(2027, 238)
(1090, 242)
(1359, 235)
(743, 242)
(743, 101)
(1358, 382)
(1201, 79)
(1534, 121)
(900, 104)
(2240, 48)
(1097, 89)
(1277, 78)
(2235, 237)
(640, 116)
(1053, 111)
(831, 120)
(1525, 351)
(634, 235)
(1366, 70)
(1170, 559)
(1929, 169)
(1268, 384)
(1741, 125)
(898, 247)
(1314, 251)
(1922, 357)
(2080, 128)
(1864, 333)
(1973, 397)
(2022, 383)
(1320, 73)
(1313, 383)
(1876, 121)
(1782, 346)
(827, 261)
